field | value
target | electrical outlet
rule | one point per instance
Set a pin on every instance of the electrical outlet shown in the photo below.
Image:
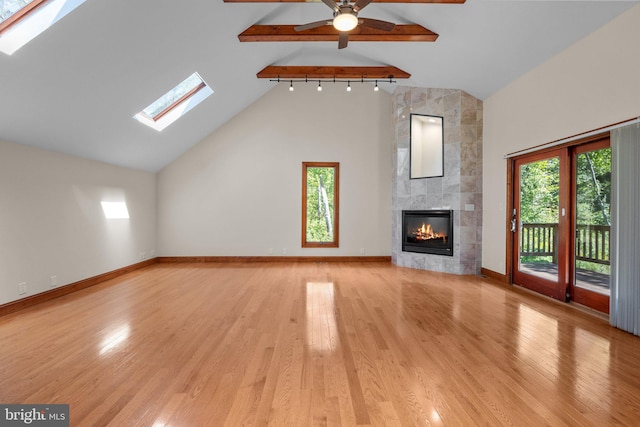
(22, 288)
(54, 281)
(362, 251)
(270, 251)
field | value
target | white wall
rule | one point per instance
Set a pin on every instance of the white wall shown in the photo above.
(591, 84)
(52, 224)
(238, 192)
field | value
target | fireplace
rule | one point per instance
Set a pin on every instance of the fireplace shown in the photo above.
(428, 232)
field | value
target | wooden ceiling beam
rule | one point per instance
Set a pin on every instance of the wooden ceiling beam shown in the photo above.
(375, 1)
(286, 33)
(329, 72)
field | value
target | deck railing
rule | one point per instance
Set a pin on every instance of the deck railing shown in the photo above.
(539, 240)
(592, 242)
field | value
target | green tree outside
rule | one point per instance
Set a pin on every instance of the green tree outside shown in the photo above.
(320, 204)
(539, 196)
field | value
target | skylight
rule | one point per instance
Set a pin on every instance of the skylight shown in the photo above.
(23, 20)
(175, 103)
(12, 10)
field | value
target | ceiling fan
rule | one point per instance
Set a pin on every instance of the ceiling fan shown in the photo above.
(345, 19)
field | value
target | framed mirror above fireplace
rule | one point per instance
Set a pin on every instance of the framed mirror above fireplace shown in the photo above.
(426, 150)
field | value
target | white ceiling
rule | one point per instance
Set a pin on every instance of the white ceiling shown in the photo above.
(76, 87)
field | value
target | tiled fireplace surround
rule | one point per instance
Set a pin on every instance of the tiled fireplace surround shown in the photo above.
(461, 187)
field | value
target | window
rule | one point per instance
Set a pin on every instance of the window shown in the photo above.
(11, 11)
(23, 20)
(320, 191)
(175, 103)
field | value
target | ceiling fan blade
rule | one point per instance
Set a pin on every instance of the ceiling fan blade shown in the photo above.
(377, 24)
(360, 4)
(343, 40)
(332, 4)
(311, 25)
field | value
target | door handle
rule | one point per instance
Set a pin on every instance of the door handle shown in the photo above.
(514, 222)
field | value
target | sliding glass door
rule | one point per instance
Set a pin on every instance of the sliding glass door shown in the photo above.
(560, 223)
(592, 224)
(539, 223)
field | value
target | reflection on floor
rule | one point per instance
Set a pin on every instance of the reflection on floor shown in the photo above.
(317, 344)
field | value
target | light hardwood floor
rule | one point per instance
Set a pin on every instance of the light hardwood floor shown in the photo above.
(317, 344)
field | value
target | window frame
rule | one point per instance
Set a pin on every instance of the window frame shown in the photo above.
(170, 113)
(336, 204)
(20, 15)
(179, 101)
(31, 21)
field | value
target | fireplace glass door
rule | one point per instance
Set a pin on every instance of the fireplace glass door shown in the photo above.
(429, 232)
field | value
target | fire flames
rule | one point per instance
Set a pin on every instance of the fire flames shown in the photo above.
(426, 233)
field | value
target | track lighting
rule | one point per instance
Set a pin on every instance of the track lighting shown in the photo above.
(376, 88)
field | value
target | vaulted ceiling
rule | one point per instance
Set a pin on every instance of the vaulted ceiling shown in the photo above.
(76, 87)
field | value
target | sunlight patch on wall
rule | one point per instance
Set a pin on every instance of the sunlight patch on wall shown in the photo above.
(115, 210)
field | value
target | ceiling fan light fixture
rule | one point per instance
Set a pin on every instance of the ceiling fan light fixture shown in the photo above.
(345, 21)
